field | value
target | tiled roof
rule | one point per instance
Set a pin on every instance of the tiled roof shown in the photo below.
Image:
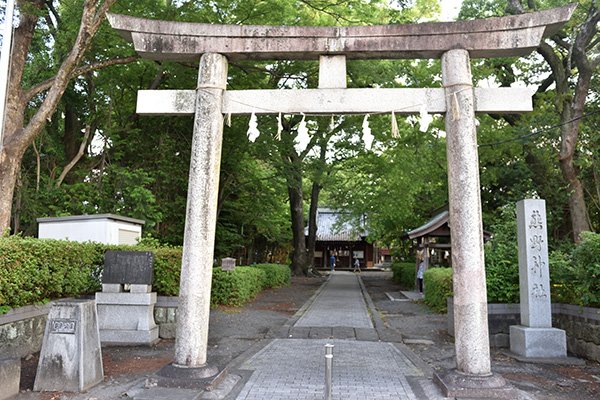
(329, 229)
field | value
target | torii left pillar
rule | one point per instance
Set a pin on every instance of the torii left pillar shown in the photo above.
(201, 219)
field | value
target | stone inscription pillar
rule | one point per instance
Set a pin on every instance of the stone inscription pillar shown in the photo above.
(470, 295)
(201, 214)
(535, 337)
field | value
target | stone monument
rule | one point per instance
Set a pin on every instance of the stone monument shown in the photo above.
(535, 337)
(228, 264)
(126, 303)
(71, 358)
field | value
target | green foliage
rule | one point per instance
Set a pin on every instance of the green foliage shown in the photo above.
(586, 258)
(404, 274)
(276, 275)
(438, 287)
(36, 271)
(236, 287)
(501, 259)
(167, 270)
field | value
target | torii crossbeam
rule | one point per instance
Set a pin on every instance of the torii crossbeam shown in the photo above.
(454, 42)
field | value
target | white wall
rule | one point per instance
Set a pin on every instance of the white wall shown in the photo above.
(95, 230)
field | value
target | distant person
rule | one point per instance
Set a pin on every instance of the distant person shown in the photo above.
(332, 262)
(420, 273)
(356, 265)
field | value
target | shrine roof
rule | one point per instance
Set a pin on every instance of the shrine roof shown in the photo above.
(514, 35)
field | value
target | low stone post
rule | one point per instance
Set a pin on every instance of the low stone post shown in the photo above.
(535, 337)
(473, 377)
(201, 215)
(71, 357)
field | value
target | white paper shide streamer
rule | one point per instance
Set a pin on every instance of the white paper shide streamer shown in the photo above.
(424, 118)
(303, 137)
(253, 132)
(279, 127)
(367, 136)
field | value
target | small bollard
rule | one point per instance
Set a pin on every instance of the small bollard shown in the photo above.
(328, 370)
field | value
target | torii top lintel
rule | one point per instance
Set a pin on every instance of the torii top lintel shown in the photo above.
(515, 35)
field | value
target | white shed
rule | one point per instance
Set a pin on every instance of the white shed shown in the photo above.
(100, 228)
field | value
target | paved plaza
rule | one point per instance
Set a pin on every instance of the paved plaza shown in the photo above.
(294, 368)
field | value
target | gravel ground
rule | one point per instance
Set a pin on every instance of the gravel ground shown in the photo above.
(415, 321)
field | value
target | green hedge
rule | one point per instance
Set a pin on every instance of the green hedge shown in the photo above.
(438, 287)
(236, 287)
(404, 274)
(276, 275)
(36, 271)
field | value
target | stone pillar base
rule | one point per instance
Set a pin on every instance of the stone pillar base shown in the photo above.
(127, 318)
(205, 377)
(455, 384)
(538, 342)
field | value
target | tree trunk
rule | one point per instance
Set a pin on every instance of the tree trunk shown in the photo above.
(18, 136)
(300, 262)
(312, 221)
(10, 164)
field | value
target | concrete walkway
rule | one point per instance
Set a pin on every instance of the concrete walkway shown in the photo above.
(294, 368)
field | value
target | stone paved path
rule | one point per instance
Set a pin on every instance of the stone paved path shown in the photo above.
(340, 303)
(294, 368)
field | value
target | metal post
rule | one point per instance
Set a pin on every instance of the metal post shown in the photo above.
(328, 370)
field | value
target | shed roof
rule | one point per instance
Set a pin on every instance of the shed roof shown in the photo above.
(90, 217)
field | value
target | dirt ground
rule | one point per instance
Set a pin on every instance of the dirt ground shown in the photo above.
(415, 321)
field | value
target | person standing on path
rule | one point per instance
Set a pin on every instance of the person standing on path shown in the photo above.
(332, 262)
(420, 273)
(356, 265)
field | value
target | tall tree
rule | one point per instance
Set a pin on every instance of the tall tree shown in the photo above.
(573, 59)
(21, 130)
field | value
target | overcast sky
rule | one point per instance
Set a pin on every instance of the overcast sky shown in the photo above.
(450, 9)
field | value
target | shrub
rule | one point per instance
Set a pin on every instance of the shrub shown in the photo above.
(404, 274)
(438, 287)
(236, 287)
(34, 271)
(586, 259)
(276, 275)
(167, 269)
(501, 259)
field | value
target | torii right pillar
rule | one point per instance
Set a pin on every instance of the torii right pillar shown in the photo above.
(473, 376)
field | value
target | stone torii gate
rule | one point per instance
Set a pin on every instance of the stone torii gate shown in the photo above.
(454, 42)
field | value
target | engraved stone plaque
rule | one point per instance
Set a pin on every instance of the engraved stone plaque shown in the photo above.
(128, 267)
(64, 326)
